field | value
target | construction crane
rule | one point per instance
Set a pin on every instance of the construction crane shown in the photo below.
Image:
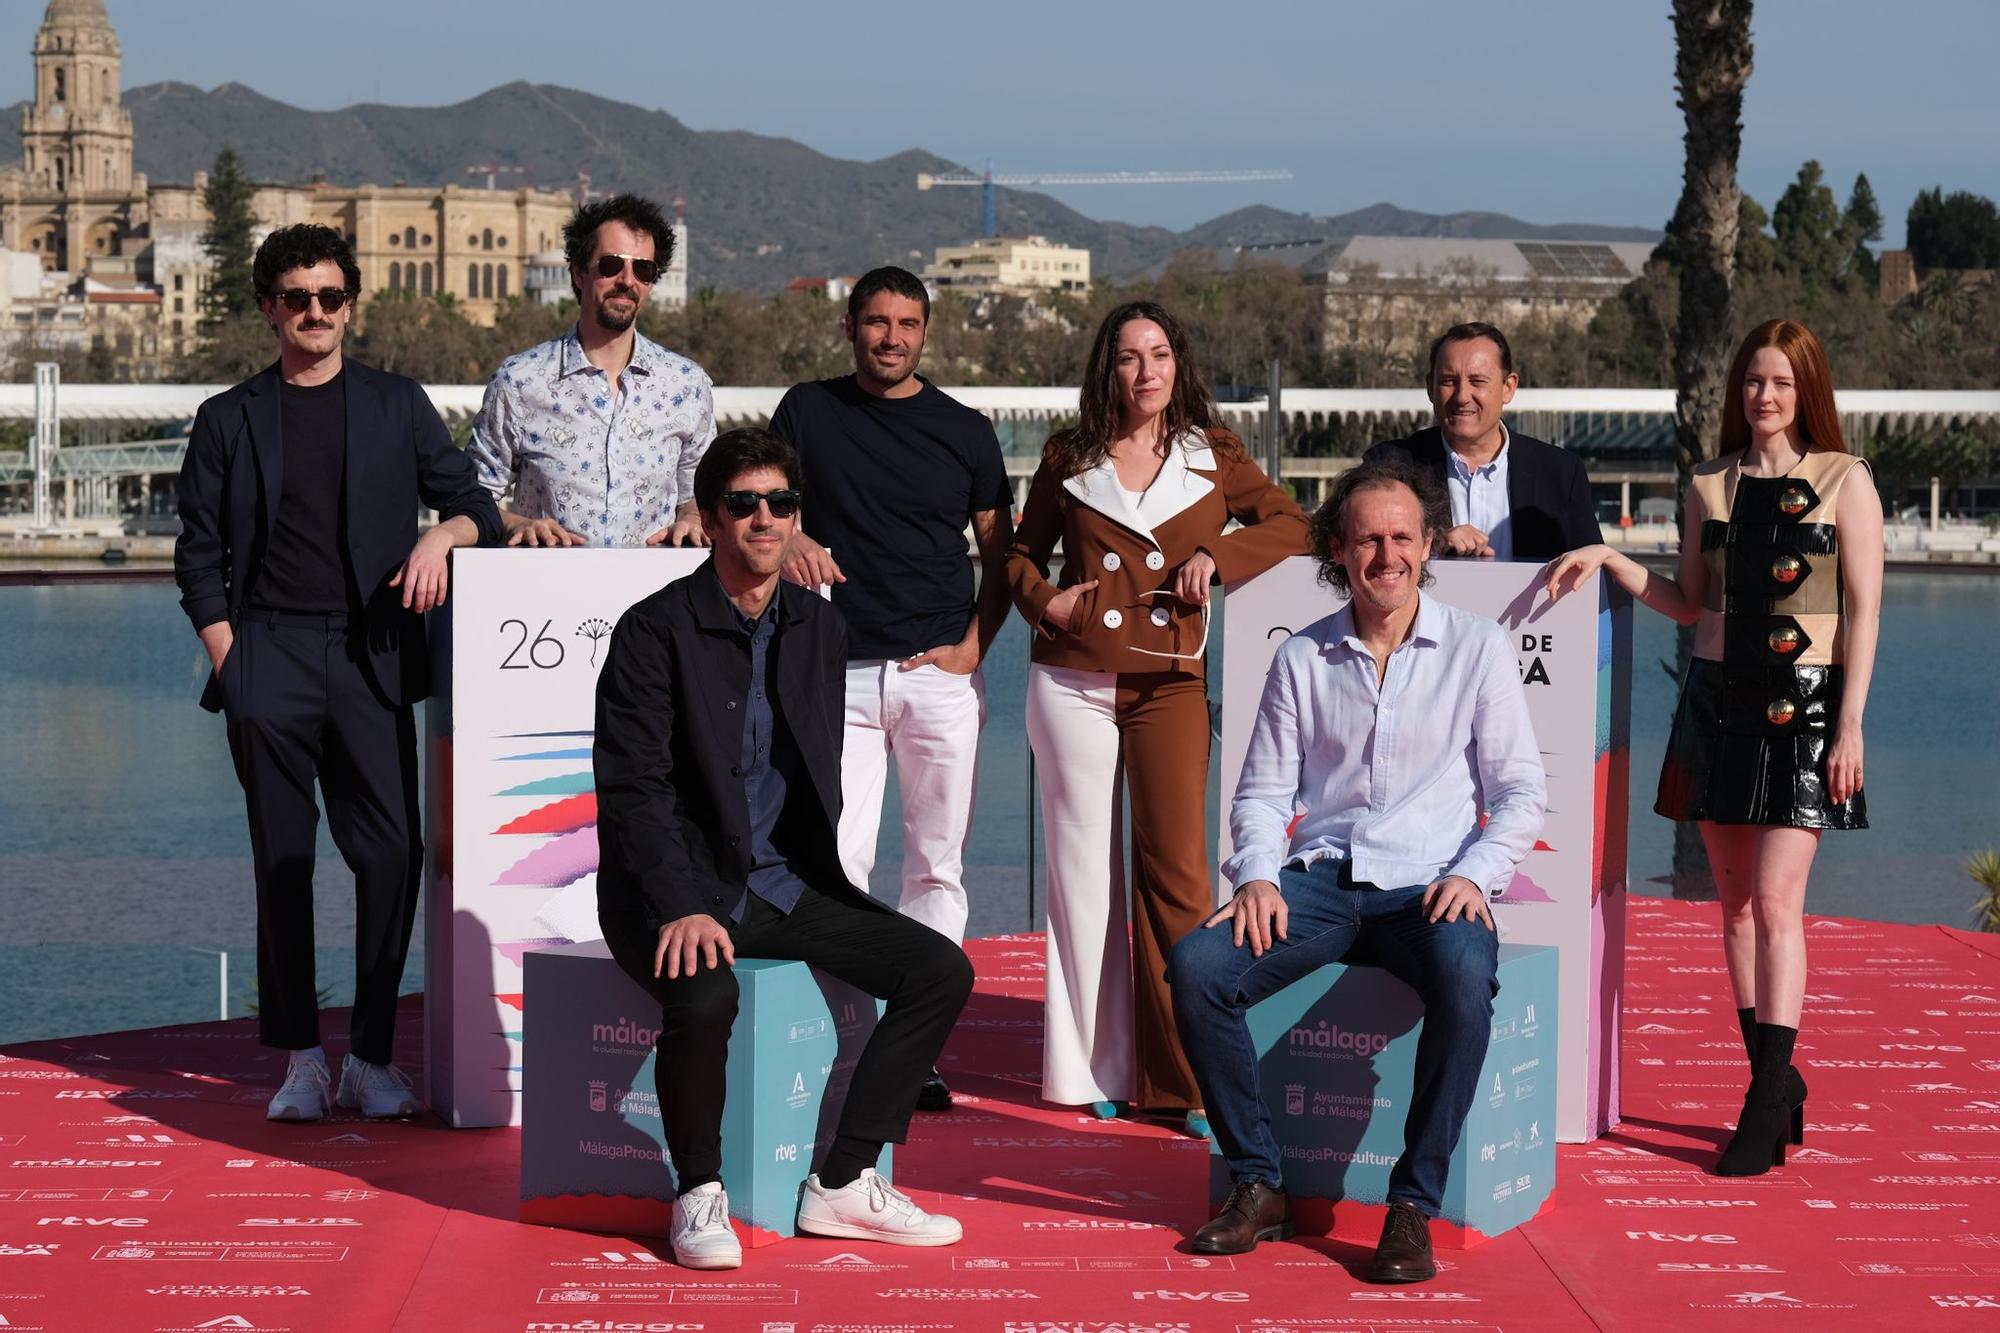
(987, 180)
(493, 171)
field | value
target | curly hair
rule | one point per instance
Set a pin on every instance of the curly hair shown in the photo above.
(580, 232)
(302, 245)
(1101, 414)
(1329, 522)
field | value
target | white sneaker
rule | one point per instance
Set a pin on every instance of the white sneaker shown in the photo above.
(380, 1092)
(701, 1232)
(870, 1208)
(304, 1094)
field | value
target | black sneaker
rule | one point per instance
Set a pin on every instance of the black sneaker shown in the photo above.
(934, 1095)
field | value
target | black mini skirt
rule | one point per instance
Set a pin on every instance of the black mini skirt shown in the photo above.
(1749, 746)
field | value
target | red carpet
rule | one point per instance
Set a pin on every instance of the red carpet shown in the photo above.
(141, 1189)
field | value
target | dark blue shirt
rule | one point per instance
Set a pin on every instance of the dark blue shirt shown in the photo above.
(770, 764)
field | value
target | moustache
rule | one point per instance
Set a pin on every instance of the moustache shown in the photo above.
(316, 324)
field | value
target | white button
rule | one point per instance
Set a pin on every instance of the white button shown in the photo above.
(1154, 560)
(1160, 616)
(1113, 619)
(1111, 561)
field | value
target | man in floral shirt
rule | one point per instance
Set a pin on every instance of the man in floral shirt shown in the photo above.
(596, 434)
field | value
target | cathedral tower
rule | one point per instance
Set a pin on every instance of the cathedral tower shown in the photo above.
(76, 137)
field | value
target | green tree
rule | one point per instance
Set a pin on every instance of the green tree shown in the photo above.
(425, 337)
(1756, 252)
(1812, 240)
(1958, 230)
(1864, 226)
(229, 240)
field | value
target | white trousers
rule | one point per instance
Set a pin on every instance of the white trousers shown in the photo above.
(930, 720)
(1088, 1047)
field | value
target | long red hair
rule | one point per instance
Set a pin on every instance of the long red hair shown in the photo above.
(1817, 424)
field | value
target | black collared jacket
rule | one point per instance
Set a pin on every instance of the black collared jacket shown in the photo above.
(399, 456)
(673, 821)
(1548, 491)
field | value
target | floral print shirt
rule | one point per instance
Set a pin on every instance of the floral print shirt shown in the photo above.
(609, 468)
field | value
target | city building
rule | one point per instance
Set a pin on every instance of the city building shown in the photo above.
(1391, 294)
(126, 254)
(1009, 266)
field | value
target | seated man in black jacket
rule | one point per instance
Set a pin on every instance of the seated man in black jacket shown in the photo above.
(1513, 497)
(718, 787)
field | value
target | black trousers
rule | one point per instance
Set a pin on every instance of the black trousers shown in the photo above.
(924, 977)
(301, 707)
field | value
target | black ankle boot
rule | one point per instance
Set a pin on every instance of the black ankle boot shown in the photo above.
(1769, 1116)
(1795, 1084)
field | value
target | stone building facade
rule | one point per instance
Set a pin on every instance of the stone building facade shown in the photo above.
(122, 257)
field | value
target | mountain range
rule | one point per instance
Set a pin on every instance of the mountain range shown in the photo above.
(761, 210)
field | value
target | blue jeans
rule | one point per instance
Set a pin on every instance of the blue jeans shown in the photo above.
(1453, 966)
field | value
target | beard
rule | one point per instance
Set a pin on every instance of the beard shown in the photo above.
(613, 322)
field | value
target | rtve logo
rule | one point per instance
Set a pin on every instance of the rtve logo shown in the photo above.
(1217, 1297)
(1684, 1237)
(90, 1222)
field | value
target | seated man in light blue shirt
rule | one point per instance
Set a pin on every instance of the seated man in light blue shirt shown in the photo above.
(1383, 732)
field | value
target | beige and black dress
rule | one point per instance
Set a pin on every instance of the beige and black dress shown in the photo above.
(1762, 696)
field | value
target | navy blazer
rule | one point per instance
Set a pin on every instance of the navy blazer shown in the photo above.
(399, 455)
(1548, 491)
(673, 818)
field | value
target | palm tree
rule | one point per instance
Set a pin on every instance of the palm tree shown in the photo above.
(1984, 867)
(1711, 66)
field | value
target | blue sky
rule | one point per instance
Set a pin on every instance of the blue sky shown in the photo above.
(1552, 110)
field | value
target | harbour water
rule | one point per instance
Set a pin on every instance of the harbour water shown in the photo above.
(124, 865)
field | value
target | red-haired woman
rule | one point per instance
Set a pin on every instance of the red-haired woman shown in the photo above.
(1781, 575)
(1138, 492)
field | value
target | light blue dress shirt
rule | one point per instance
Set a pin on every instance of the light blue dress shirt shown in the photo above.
(609, 467)
(1393, 777)
(1479, 497)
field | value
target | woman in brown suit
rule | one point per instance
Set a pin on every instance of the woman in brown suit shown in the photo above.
(1138, 493)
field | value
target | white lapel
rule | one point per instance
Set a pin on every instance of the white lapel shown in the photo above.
(1098, 487)
(1173, 490)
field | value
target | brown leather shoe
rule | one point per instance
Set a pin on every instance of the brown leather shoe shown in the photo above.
(1404, 1252)
(1254, 1212)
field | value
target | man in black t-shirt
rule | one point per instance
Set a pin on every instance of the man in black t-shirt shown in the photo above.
(302, 572)
(894, 472)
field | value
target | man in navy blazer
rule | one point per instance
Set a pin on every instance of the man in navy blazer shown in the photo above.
(301, 570)
(1512, 497)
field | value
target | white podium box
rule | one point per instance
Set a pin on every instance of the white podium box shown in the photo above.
(1576, 662)
(511, 808)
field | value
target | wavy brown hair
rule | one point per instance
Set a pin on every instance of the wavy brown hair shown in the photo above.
(1817, 422)
(1101, 416)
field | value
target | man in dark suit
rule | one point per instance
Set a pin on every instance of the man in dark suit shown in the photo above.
(301, 569)
(717, 758)
(1512, 497)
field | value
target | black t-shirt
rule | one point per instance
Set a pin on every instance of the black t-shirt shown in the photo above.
(306, 566)
(890, 484)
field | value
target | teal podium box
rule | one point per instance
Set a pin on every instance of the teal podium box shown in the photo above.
(1336, 1053)
(593, 1153)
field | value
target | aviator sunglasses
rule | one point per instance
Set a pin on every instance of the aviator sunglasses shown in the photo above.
(298, 300)
(647, 271)
(742, 504)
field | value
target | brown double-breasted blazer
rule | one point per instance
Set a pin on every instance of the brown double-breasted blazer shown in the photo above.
(1135, 545)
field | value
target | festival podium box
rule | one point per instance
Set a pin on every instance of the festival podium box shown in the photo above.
(510, 819)
(1569, 892)
(593, 1154)
(1336, 1051)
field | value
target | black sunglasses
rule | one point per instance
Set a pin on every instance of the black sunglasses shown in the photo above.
(647, 271)
(298, 300)
(742, 504)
